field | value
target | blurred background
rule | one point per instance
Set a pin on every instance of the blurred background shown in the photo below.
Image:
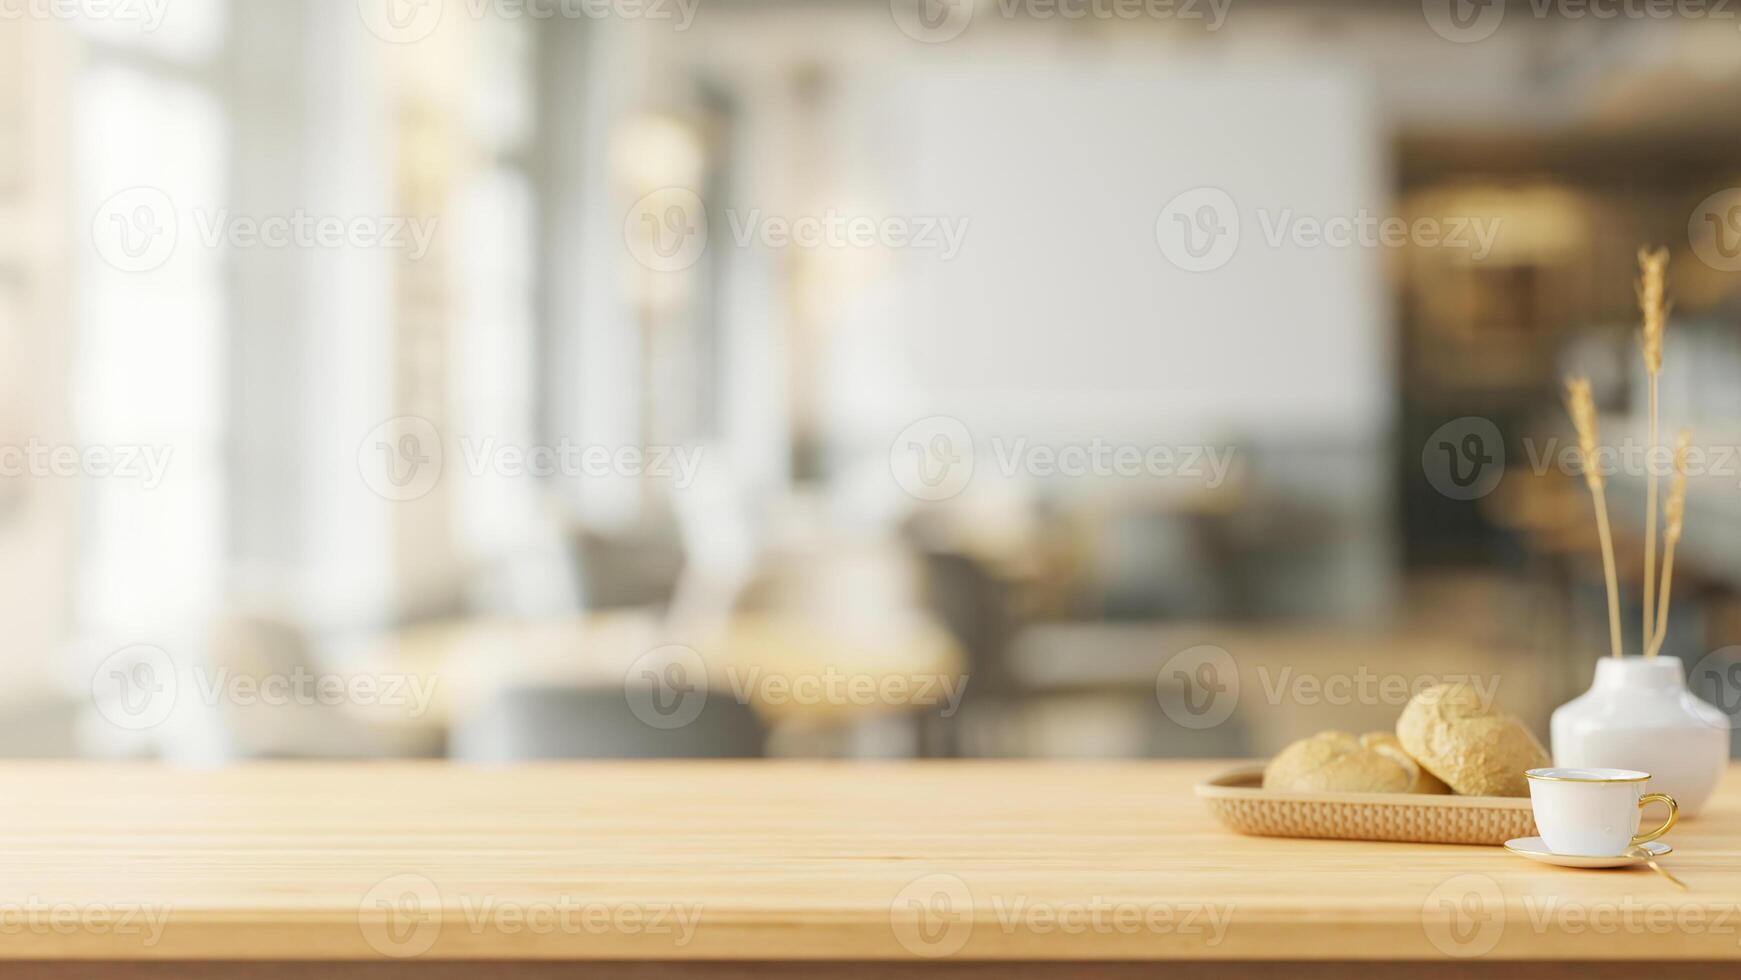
(860, 378)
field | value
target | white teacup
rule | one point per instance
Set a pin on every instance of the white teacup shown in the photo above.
(1594, 812)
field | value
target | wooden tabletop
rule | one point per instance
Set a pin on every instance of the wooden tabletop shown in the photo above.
(782, 861)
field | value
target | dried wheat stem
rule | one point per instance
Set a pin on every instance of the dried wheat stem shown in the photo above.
(1650, 518)
(1674, 521)
(1652, 266)
(1582, 407)
(1607, 539)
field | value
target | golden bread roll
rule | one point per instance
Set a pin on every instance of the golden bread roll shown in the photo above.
(1336, 762)
(1476, 749)
(1424, 781)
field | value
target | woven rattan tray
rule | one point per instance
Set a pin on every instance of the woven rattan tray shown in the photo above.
(1238, 799)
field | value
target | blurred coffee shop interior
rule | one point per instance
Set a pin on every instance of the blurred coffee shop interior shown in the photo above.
(823, 482)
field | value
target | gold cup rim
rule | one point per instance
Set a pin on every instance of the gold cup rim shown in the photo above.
(1548, 774)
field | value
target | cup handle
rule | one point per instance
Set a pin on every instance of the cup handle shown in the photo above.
(1674, 813)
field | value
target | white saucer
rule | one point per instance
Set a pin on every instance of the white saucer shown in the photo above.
(1534, 849)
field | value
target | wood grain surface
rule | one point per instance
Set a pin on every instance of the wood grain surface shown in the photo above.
(948, 862)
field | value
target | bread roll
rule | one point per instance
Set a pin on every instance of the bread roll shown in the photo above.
(1424, 782)
(1336, 762)
(1476, 749)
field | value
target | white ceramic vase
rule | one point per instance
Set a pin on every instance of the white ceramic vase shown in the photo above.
(1639, 715)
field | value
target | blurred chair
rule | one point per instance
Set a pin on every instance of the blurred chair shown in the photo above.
(977, 608)
(1107, 723)
(257, 647)
(597, 723)
(720, 545)
(41, 728)
(632, 569)
(1152, 559)
(1091, 689)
